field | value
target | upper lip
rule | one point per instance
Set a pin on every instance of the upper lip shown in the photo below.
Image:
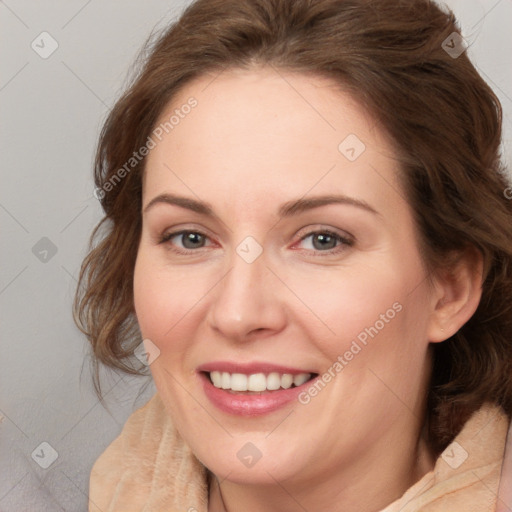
(249, 368)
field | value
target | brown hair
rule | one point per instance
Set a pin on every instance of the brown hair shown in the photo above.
(442, 116)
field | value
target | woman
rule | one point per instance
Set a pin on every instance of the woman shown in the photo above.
(306, 223)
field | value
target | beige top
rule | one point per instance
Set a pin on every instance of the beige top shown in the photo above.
(149, 468)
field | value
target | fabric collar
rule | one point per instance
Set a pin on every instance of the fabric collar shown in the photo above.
(150, 468)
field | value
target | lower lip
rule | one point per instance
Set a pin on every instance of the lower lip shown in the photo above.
(250, 405)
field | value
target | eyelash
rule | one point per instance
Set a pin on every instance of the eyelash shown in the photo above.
(344, 241)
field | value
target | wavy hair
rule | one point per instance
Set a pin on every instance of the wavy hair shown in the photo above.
(445, 121)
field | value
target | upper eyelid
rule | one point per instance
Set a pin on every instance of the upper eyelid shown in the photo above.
(308, 231)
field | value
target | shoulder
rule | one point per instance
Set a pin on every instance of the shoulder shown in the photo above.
(149, 450)
(467, 474)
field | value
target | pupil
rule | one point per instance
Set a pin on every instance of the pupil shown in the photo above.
(324, 242)
(194, 239)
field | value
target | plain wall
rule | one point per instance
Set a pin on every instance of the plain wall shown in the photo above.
(51, 113)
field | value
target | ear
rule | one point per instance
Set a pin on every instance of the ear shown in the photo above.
(456, 294)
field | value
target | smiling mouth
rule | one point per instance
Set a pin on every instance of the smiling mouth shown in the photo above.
(257, 383)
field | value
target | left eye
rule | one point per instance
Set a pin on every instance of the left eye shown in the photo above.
(324, 241)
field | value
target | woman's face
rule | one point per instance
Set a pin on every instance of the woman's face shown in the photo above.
(299, 259)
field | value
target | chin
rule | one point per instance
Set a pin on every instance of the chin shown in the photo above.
(257, 475)
(248, 465)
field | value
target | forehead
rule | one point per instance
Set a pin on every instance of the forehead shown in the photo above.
(268, 132)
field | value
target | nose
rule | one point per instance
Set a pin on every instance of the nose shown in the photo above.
(249, 299)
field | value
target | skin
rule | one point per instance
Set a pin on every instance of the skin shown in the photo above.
(259, 138)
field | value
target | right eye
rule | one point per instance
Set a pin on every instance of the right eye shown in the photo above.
(188, 239)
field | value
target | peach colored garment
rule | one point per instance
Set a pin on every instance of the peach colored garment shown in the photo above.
(149, 468)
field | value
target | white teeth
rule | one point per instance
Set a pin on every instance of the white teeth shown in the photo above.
(216, 379)
(273, 381)
(286, 381)
(226, 380)
(298, 380)
(238, 382)
(257, 381)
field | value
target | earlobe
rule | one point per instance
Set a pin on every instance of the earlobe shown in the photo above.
(456, 294)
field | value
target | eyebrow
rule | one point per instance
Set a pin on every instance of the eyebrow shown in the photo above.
(287, 209)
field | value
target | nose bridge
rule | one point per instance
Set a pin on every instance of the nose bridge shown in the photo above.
(245, 299)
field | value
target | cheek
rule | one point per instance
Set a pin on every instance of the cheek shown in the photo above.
(375, 315)
(347, 302)
(164, 299)
(378, 350)
(166, 303)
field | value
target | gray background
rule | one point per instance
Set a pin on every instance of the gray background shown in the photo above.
(51, 111)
